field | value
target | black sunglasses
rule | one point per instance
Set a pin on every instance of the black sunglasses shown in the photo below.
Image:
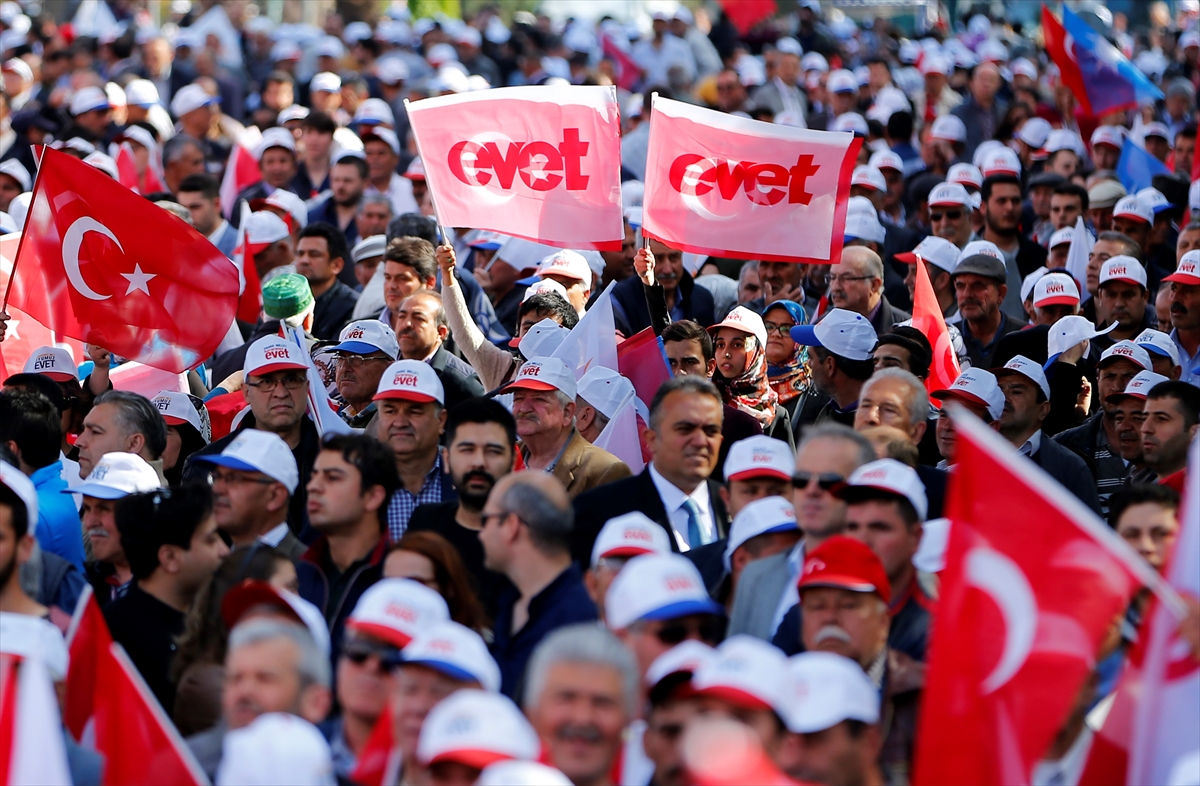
(357, 652)
(953, 215)
(710, 629)
(826, 481)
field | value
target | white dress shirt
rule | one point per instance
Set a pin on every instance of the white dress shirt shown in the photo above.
(399, 193)
(673, 498)
(1032, 445)
(275, 535)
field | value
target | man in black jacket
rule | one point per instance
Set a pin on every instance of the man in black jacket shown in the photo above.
(669, 282)
(321, 255)
(422, 329)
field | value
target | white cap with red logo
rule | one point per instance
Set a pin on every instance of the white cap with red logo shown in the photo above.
(1125, 350)
(760, 517)
(272, 353)
(1062, 237)
(976, 247)
(456, 651)
(823, 689)
(1055, 289)
(965, 174)
(567, 264)
(976, 386)
(1188, 269)
(413, 380)
(744, 673)
(543, 373)
(657, 587)
(937, 251)
(1132, 207)
(1109, 135)
(892, 477)
(277, 747)
(1000, 161)
(476, 728)
(54, 362)
(949, 194)
(1028, 369)
(1139, 387)
(886, 159)
(264, 228)
(949, 128)
(759, 456)
(745, 320)
(630, 535)
(366, 336)
(544, 285)
(869, 177)
(1123, 268)
(395, 610)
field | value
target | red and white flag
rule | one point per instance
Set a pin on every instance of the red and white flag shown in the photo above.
(927, 318)
(241, 172)
(88, 640)
(128, 175)
(622, 437)
(31, 742)
(643, 361)
(379, 761)
(101, 264)
(249, 286)
(593, 341)
(734, 187)
(539, 163)
(625, 68)
(1033, 582)
(25, 334)
(1155, 718)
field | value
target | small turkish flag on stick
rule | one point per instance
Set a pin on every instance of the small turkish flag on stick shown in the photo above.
(927, 318)
(101, 264)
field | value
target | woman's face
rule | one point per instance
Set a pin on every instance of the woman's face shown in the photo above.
(732, 347)
(403, 564)
(780, 346)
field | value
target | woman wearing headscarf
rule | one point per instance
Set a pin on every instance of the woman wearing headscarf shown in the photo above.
(739, 344)
(188, 430)
(787, 361)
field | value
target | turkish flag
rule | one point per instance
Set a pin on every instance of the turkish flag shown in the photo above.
(539, 163)
(734, 187)
(241, 172)
(249, 286)
(128, 175)
(927, 318)
(99, 263)
(642, 359)
(25, 334)
(1032, 583)
(88, 640)
(627, 71)
(378, 759)
(745, 14)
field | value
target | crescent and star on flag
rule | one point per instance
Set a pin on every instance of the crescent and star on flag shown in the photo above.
(73, 239)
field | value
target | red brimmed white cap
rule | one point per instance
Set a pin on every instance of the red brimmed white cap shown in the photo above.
(686, 657)
(945, 194)
(630, 535)
(1188, 270)
(545, 374)
(1001, 161)
(745, 673)
(976, 386)
(54, 362)
(1126, 350)
(176, 408)
(1055, 289)
(1114, 136)
(886, 159)
(412, 380)
(272, 353)
(890, 476)
(1123, 268)
(264, 228)
(823, 689)
(456, 651)
(845, 563)
(1139, 387)
(965, 174)
(476, 728)
(869, 177)
(395, 610)
(567, 264)
(1134, 208)
(759, 456)
(252, 593)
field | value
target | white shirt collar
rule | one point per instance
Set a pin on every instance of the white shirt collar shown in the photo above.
(274, 536)
(216, 233)
(672, 496)
(1032, 445)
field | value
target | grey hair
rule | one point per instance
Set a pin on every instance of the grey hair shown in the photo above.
(136, 415)
(173, 148)
(311, 663)
(550, 526)
(684, 384)
(375, 199)
(1129, 246)
(752, 265)
(866, 451)
(585, 643)
(601, 418)
(872, 264)
(915, 396)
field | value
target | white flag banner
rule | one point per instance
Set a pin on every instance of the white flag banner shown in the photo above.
(592, 342)
(38, 753)
(1077, 257)
(620, 436)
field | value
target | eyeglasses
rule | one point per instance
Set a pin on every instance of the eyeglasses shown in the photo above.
(783, 330)
(709, 629)
(358, 651)
(358, 361)
(845, 278)
(826, 481)
(953, 215)
(485, 517)
(289, 382)
(234, 478)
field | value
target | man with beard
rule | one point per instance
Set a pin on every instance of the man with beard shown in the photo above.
(1002, 225)
(18, 520)
(348, 179)
(1172, 420)
(480, 438)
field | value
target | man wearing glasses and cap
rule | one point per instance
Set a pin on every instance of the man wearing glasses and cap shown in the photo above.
(365, 349)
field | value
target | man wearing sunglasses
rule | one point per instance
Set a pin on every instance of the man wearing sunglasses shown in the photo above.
(950, 209)
(364, 350)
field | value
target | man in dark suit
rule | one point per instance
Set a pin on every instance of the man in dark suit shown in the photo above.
(1026, 405)
(421, 329)
(667, 281)
(675, 491)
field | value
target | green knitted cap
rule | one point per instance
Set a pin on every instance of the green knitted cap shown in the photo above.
(286, 296)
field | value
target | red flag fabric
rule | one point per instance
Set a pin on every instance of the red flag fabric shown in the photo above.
(734, 187)
(626, 68)
(223, 409)
(101, 264)
(127, 174)
(745, 14)
(88, 642)
(241, 172)
(1056, 47)
(539, 163)
(249, 286)
(643, 361)
(25, 334)
(1033, 581)
(376, 759)
(927, 318)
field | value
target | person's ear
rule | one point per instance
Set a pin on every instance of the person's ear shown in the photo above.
(1003, 292)
(918, 432)
(336, 265)
(569, 412)
(25, 548)
(711, 367)
(279, 497)
(169, 558)
(135, 443)
(723, 493)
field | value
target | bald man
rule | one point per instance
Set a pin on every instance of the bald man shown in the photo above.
(856, 284)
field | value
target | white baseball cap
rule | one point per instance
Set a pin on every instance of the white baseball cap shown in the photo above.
(935, 250)
(1000, 161)
(759, 456)
(604, 389)
(1063, 139)
(476, 728)
(277, 747)
(1139, 387)
(1108, 135)
(293, 112)
(850, 121)
(630, 535)
(685, 657)
(275, 137)
(813, 61)
(54, 362)
(1155, 128)
(456, 651)
(1055, 289)
(325, 82)
(890, 476)
(1062, 236)
(330, 46)
(1188, 269)
(976, 386)
(525, 773)
(949, 194)
(385, 135)
(28, 636)
(141, 92)
(540, 340)
(885, 159)
(822, 689)
(980, 247)
(844, 333)
(1157, 342)
(190, 98)
(364, 336)
(841, 81)
(272, 353)
(543, 373)
(118, 475)
(264, 228)
(936, 64)
(14, 169)
(19, 67)
(291, 203)
(1155, 199)
(746, 321)
(1028, 369)
(965, 174)
(762, 516)
(567, 264)
(864, 226)
(177, 409)
(1069, 331)
(102, 161)
(396, 610)
(87, 99)
(1132, 207)
(368, 247)
(374, 111)
(657, 587)
(413, 380)
(1125, 350)
(285, 50)
(1023, 67)
(1194, 197)
(253, 450)
(949, 128)
(23, 487)
(1123, 268)
(745, 672)
(868, 176)
(1035, 132)
(1030, 281)
(544, 285)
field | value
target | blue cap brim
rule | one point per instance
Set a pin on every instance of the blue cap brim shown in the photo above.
(1050, 361)
(449, 669)
(529, 281)
(1155, 350)
(806, 335)
(96, 490)
(683, 608)
(356, 347)
(228, 461)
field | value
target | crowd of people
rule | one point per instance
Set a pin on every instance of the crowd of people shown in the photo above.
(465, 568)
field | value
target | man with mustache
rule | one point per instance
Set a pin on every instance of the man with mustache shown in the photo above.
(366, 348)
(979, 284)
(1185, 314)
(1129, 413)
(421, 329)
(1121, 297)
(665, 281)
(481, 438)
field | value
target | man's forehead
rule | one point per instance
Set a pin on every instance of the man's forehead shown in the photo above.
(828, 454)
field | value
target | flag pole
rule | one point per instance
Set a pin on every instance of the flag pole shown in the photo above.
(12, 274)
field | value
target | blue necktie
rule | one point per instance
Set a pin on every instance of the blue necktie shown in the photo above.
(695, 537)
